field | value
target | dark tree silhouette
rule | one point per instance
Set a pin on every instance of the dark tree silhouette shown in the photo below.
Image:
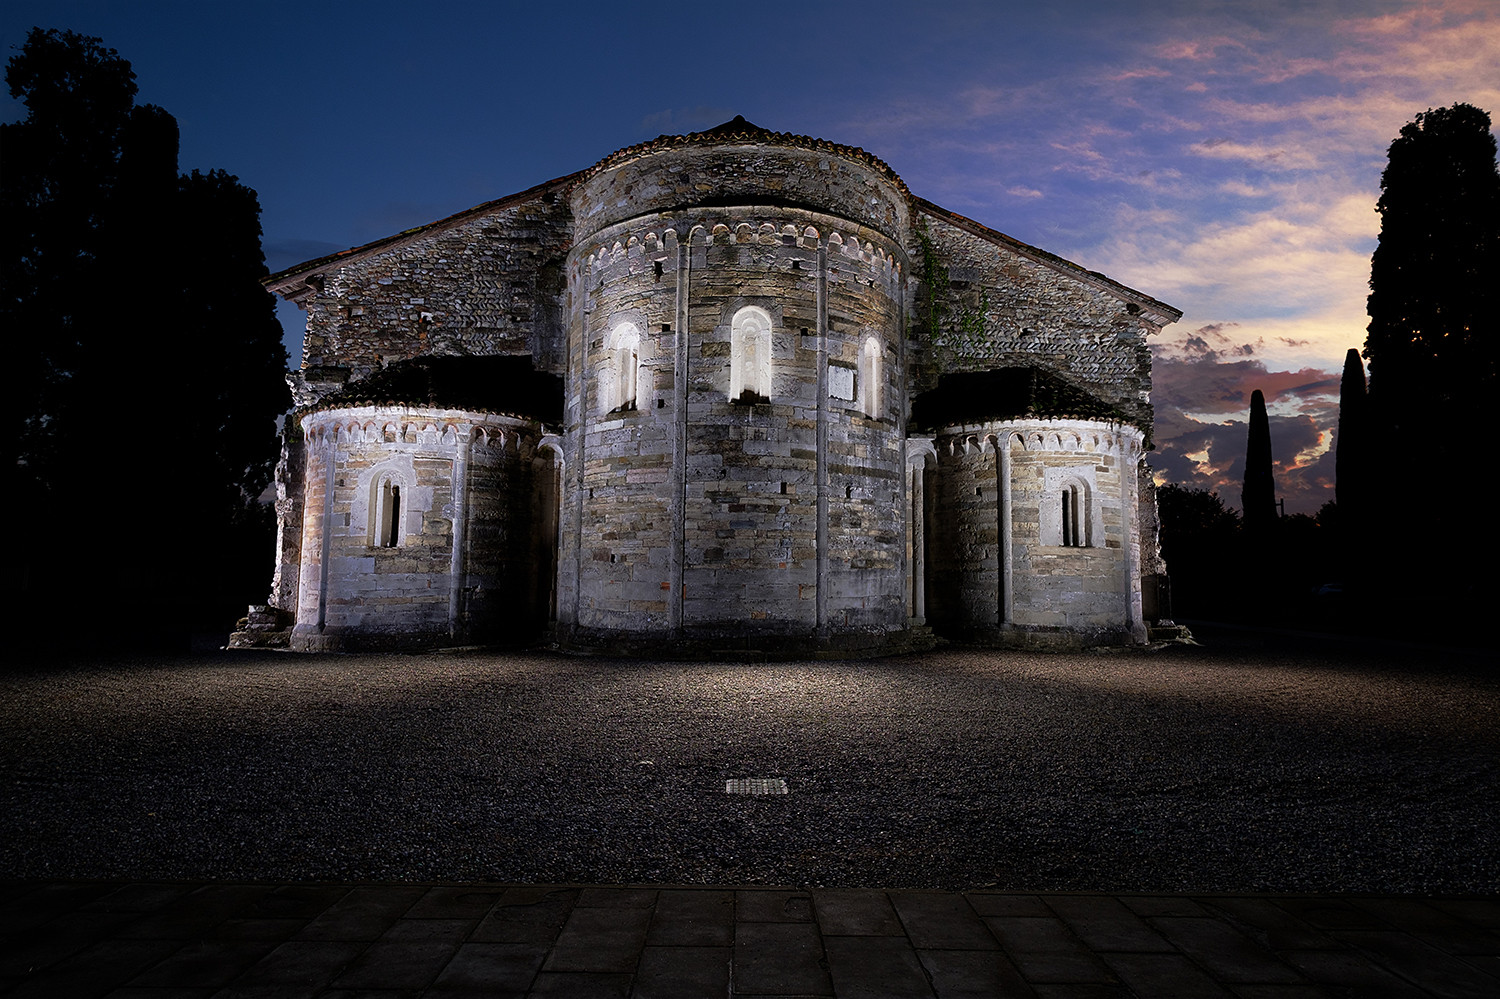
(1352, 472)
(1433, 292)
(147, 375)
(1200, 542)
(238, 388)
(1349, 440)
(55, 192)
(1431, 343)
(1259, 496)
(1188, 513)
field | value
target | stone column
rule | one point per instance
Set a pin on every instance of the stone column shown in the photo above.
(326, 524)
(460, 523)
(578, 369)
(1129, 515)
(822, 390)
(1002, 506)
(919, 541)
(675, 608)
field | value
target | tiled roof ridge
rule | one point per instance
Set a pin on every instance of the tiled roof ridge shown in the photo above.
(738, 129)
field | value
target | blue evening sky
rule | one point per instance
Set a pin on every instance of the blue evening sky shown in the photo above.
(1223, 157)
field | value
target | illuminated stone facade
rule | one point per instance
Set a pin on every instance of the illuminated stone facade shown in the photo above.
(734, 390)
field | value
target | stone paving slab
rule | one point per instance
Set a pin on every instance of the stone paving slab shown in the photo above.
(157, 940)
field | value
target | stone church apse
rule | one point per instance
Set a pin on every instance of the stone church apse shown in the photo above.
(732, 391)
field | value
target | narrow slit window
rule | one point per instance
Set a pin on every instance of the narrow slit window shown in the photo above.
(871, 378)
(629, 376)
(385, 508)
(1073, 517)
(394, 514)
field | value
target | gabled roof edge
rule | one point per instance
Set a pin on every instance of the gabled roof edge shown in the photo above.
(285, 283)
(1155, 309)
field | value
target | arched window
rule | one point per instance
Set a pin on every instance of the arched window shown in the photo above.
(1074, 520)
(750, 356)
(1068, 516)
(621, 383)
(871, 378)
(386, 514)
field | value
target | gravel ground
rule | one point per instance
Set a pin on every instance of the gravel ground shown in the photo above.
(1252, 763)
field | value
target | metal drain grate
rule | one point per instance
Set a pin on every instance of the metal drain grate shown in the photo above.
(756, 785)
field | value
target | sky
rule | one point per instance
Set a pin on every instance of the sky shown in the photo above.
(1223, 157)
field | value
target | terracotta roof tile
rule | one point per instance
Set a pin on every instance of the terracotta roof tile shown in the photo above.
(740, 130)
(506, 386)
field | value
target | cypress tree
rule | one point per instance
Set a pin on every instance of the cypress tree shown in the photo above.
(1432, 342)
(1349, 441)
(1433, 299)
(1259, 495)
(1351, 471)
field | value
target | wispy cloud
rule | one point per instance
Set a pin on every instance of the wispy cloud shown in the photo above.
(1197, 49)
(1264, 155)
(1226, 160)
(1202, 405)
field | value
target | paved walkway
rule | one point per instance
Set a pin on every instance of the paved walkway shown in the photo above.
(174, 939)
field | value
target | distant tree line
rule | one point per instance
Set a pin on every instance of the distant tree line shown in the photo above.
(1222, 568)
(1399, 542)
(146, 369)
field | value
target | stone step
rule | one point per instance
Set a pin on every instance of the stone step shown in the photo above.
(1169, 633)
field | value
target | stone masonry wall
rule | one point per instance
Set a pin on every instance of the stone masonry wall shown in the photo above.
(490, 285)
(730, 534)
(752, 471)
(290, 481)
(988, 306)
(1080, 588)
(618, 529)
(964, 560)
(359, 590)
(866, 539)
(500, 571)
(1090, 588)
